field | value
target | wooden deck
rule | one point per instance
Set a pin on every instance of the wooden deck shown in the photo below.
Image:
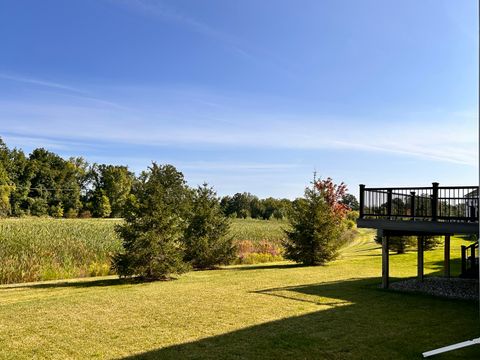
(405, 227)
(420, 211)
(436, 203)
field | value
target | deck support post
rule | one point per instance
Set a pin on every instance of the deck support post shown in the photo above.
(420, 258)
(446, 265)
(385, 259)
(464, 260)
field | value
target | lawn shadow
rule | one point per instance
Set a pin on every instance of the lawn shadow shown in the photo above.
(438, 266)
(83, 283)
(353, 320)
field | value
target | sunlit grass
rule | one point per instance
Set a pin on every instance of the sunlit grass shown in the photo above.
(274, 311)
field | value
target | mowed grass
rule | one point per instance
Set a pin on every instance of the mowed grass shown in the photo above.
(274, 311)
(35, 249)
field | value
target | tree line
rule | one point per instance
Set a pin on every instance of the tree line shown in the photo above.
(169, 227)
(244, 205)
(45, 184)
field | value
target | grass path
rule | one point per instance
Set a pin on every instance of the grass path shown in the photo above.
(274, 311)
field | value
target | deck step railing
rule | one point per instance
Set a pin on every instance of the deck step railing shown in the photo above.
(435, 203)
(470, 260)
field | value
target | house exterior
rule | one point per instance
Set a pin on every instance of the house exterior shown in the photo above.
(471, 204)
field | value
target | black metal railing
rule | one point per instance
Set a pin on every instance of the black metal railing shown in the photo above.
(470, 260)
(435, 203)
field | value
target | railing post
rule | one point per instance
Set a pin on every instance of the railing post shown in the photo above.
(473, 215)
(464, 260)
(412, 204)
(389, 203)
(362, 200)
(434, 201)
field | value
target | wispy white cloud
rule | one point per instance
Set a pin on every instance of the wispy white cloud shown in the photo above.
(452, 141)
(236, 166)
(198, 118)
(22, 142)
(33, 81)
(62, 89)
(456, 156)
(160, 10)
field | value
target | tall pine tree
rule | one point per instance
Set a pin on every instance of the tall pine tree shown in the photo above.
(154, 226)
(206, 240)
(317, 223)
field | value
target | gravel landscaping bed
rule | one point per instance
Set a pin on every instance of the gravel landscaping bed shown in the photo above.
(454, 288)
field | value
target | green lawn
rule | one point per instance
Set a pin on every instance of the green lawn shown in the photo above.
(274, 311)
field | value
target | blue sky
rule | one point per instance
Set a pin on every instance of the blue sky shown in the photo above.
(248, 95)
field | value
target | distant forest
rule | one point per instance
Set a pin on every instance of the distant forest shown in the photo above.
(45, 184)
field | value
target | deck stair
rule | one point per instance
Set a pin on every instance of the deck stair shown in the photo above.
(470, 261)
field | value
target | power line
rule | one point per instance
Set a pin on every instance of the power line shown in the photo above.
(47, 189)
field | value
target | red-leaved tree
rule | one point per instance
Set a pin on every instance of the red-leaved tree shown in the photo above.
(333, 195)
(317, 224)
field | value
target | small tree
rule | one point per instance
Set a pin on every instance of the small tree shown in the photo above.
(71, 213)
(206, 240)
(100, 204)
(6, 188)
(154, 226)
(317, 224)
(399, 244)
(104, 208)
(351, 201)
(431, 242)
(38, 206)
(56, 210)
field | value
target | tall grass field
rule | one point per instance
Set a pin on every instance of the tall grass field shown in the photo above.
(34, 249)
